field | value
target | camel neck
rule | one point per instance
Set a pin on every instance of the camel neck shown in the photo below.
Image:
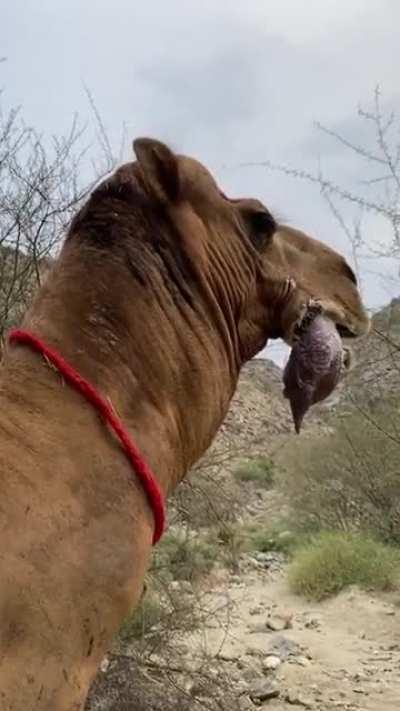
(165, 371)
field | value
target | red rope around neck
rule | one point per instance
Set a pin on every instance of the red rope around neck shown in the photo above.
(143, 471)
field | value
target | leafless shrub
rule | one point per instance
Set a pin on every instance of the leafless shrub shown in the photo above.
(130, 684)
(166, 640)
(350, 480)
(208, 496)
(378, 190)
(41, 186)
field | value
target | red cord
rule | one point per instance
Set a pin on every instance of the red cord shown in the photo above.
(140, 466)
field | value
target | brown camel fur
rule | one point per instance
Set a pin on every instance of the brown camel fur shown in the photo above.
(163, 289)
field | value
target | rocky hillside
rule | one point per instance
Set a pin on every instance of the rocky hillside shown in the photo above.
(376, 372)
(259, 409)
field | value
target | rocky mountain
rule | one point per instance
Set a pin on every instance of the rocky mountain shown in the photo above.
(258, 408)
(376, 371)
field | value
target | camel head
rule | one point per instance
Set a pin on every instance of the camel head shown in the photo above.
(265, 280)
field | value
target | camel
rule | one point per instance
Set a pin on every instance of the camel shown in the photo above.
(163, 289)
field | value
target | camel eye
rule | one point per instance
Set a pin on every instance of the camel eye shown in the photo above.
(263, 221)
(261, 227)
(350, 274)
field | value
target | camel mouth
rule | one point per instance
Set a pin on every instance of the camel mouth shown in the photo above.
(303, 325)
(315, 309)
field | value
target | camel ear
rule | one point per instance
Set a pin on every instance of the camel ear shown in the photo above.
(159, 167)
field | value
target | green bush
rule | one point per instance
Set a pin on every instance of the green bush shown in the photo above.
(259, 470)
(184, 556)
(273, 538)
(148, 614)
(230, 538)
(335, 560)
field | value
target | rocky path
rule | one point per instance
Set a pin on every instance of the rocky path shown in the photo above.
(259, 646)
(281, 651)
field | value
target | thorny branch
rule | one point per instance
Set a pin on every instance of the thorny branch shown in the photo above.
(380, 169)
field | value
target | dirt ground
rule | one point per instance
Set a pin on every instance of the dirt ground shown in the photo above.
(274, 650)
(260, 646)
(343, 653)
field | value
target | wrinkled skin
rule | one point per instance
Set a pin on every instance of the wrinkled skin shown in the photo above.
(164, 288)
(314, 367)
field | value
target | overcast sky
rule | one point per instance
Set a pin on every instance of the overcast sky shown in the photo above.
(229, 82)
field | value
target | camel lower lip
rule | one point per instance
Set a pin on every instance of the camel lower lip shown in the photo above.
(309, 317)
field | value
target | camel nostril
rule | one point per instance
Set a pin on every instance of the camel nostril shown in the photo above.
(344, 331)
(347, 358)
